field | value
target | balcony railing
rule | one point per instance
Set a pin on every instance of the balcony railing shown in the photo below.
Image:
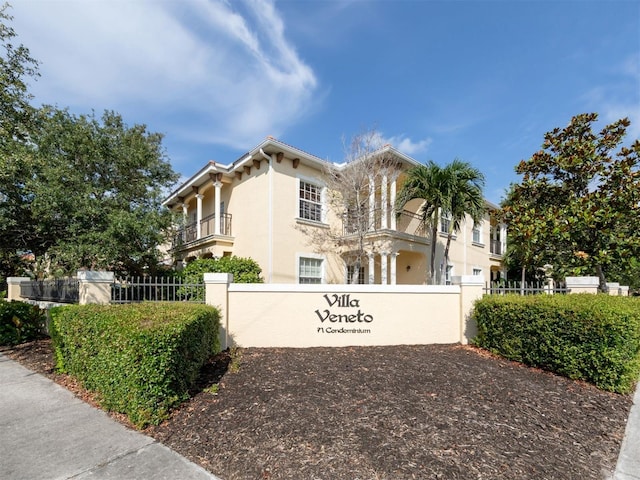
(406, 222)
(411, 223)
(189, 233)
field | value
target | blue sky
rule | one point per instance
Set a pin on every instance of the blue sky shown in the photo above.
(477, 80)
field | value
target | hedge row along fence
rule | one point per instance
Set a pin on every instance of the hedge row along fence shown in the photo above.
(140, 359)
(595, 338)
(20, 322)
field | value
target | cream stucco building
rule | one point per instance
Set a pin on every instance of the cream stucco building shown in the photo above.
(272, 205)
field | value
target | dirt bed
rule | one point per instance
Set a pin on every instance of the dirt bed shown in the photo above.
(403, 412)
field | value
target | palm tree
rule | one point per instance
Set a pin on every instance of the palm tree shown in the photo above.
(424, 182)
(465, 185)
(454, 191)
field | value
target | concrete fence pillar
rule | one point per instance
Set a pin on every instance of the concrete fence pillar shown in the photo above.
(95, 287)
(216, 288)
(13, 288)
(614, 288)
(471, 289)
(582, 284)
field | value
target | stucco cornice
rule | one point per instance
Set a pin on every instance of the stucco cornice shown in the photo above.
(269, 146)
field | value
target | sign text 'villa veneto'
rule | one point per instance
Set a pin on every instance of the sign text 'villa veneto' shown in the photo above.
(345, 310)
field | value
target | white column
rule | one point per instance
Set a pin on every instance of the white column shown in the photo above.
(372, 269)
(393, 203)
(217, 221)
(394, 269)
(185, 219)
(372, 203)
(383, 268)
(384, 210)
(503, 239)
(199, 198)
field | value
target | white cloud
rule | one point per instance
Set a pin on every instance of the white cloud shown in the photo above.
(203, 69)
(620, 98)
(406, 145)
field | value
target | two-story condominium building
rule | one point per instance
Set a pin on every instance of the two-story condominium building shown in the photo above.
(272, 205)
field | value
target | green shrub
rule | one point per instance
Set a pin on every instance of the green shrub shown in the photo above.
(141, 359)
(20, 322)
(595, 338)
(244, 270)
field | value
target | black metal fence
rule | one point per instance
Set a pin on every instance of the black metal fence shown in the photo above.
(524, 288)
(63, 290)
(156, 289)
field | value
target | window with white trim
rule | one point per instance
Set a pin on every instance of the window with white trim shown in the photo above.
(309, 270)
(447, 275)
(477, 233)
(445, 223)
(310, 201)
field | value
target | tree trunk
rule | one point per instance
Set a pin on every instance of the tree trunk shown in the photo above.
(432, 263)
(602, 280)
(522, 279)
(445, 262)
(356, 272)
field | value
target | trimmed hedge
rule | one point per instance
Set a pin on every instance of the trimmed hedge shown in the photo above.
(588, 337)
(141, 359)
(20, 322)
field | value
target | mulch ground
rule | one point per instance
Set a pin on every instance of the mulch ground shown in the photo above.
(402, 412)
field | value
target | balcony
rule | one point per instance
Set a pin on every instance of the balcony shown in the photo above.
(407, 222)
(189, 233)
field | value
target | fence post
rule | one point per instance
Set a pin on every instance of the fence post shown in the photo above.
(614, 288)
(582, 284)
(216, 293)
(471, 288)
(95, 287)
(13, 288)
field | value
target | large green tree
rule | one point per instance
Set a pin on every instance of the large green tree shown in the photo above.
(95, 191)
(577, 206)
(17, 68)
(528, 249)
(453, 191)
(75, 191)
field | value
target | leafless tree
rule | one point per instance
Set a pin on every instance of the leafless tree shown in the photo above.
(355, 196)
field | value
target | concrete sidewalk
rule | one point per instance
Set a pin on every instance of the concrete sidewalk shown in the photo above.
(628, 467)
(48, 433)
